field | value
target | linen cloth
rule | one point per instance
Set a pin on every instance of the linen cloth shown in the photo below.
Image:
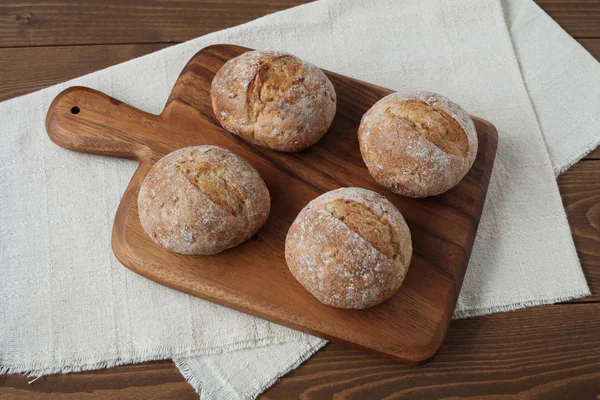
(68, 305)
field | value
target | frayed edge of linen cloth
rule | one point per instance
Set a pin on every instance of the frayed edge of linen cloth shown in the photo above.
(65, 366)
(221, 388)
(576, 157)
(476, 312)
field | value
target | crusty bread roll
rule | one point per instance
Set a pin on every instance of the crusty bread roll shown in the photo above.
(202, 200)
(274, 100)
(350, 248)
(417, 144)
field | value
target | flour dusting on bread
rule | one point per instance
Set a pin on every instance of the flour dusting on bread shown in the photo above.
(417, 144)
(350, 248)
(273, 99)
(202, 200)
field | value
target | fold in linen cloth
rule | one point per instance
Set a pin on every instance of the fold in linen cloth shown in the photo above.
(67, 303)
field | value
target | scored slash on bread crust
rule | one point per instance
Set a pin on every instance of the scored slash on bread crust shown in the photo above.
(433, 124)
(417, 144)
(350, 248)
(209, 181)
(278, 75)
(202, 200)
(373, 228)
(274, 100)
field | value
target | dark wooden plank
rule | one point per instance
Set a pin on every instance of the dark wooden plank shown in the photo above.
(594, 155)
(22, 72)
(580, 18)
(545, 353)
(591, 45)
(580, 191)
(153, 380)
(43, 23)
(542, 353)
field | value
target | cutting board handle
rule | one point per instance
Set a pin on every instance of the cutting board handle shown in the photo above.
(86, 120)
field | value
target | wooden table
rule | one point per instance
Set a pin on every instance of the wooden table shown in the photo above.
(548, 352)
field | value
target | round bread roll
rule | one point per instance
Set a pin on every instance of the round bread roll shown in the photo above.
(202, 200)
(274, 100)
(350, 248)
(417, 144)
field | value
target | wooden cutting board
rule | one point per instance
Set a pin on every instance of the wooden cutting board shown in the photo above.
(253, 277)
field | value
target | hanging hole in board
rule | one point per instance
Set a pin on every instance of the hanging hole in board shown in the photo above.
(75, 110)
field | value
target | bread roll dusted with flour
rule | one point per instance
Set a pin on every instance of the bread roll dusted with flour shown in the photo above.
(417, 144)
(274, 100)
(202, 200)
(350, 248)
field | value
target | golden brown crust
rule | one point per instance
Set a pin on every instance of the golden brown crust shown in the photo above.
(350, 248)
(202, 200)
(274, 100)
(417, 144)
